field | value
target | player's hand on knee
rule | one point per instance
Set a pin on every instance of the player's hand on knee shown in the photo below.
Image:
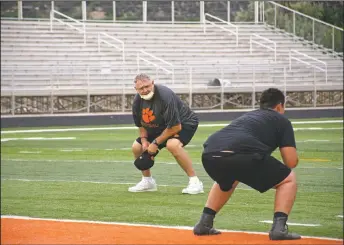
(145, 145)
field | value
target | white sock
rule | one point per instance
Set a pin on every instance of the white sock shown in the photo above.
(147, 178)
(193, 179)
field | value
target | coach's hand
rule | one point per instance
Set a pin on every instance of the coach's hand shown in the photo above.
(152, 148)
(145, 143)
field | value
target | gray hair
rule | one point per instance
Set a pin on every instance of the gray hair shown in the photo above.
(142, 77)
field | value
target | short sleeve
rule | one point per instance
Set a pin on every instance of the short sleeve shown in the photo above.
(171, 113)
(136, 111)
(287, 136)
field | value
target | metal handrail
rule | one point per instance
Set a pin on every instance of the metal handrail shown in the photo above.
(304, 15)
(100, 40)
(80, 30)
(314, 20)
(236, 33)
(154, 64)
(265, 46)
(307, 63)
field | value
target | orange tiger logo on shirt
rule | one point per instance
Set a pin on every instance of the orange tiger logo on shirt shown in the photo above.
(147, 115)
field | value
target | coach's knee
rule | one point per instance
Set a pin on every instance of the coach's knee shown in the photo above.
(174, 146)
(136, 149)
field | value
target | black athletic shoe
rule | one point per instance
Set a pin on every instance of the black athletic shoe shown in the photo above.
(279, 230)
(205, 226)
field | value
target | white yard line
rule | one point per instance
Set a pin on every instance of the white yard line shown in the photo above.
(148, 225)
(38, 138)
(126, 161)
(102, 182)
(292, 224)
(125, 128)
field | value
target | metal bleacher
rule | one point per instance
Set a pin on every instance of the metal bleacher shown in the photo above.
(34, 58)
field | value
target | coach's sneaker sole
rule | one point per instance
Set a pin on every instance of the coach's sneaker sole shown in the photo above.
(144, 186)
(194, 188)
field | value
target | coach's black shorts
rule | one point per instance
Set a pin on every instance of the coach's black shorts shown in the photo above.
(257, 171)
(185, 135)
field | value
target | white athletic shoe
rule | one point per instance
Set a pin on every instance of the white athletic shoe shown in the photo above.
(144, 185)
(193, 188)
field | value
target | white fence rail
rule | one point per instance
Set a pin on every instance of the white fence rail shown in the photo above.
(254, 39)
(293, 56)
(101, 40)
(81, 29)
(228, 24)
(141, 55)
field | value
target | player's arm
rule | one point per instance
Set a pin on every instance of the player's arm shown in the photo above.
(287, 146)
(289, 156)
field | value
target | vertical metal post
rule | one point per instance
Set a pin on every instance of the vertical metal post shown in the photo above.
(144, 11)
(114, 11)
(275, 15)
(88, 90)
(123, 99)
(333, 40)
(20, 10)
(289, 60)
(222, 96)
(315, 89)
(190, 87)
(313, 30)
(285, 85)
(51, 20)
(172, 11)
(250, 44)
(201, 11)
(13, 104)
(98, 42)
(84, 10)
(229, 11)
(254, 87)
(294, 23)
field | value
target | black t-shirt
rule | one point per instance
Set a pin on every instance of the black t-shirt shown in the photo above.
(164, 110)
(258, 131)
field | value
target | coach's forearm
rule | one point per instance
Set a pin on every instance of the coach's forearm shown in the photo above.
(143, 132)
(168, 132)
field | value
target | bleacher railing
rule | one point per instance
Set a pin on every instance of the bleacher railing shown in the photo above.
(102, 35)
(312, 30)
(80, 26)
(254, 39)
(292, 56)
(141, 56)
(228, 24)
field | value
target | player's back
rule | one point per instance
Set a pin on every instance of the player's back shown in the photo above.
(258, 131)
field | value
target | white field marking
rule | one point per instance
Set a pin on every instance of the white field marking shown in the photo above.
(289, 223)
(109, 149)
(313, 140)
(123, 128)
(39, 138)
(148, 225)
(316, 129)
(340, 216)
(71, 150)
(103, 182)
(30, 152)
(124, 161)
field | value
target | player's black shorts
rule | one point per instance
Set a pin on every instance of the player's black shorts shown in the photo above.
(185, 135)
(257, 171)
